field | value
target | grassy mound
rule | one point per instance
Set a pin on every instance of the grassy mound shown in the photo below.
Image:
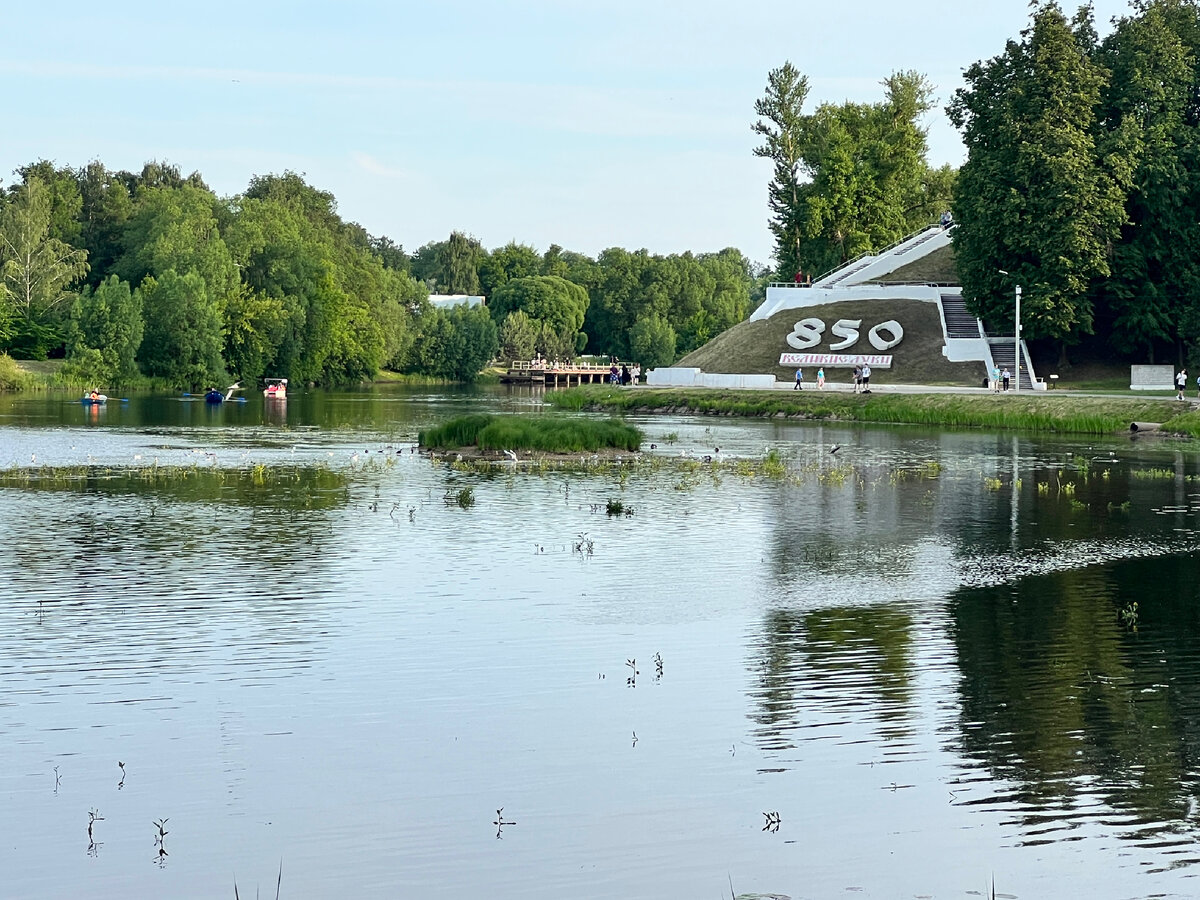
(937, 267)
(548, 434)
(1008, 412)
(754, 347)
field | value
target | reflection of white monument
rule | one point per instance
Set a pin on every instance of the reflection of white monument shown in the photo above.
(903, 272)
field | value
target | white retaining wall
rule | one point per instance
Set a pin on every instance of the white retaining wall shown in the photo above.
(681, 376)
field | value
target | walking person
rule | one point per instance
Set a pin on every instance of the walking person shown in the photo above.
(1004, 377)
(866, 378)
(821, 378)
(857, 378)
(1181, 382)
(799, 380)
(995, 373)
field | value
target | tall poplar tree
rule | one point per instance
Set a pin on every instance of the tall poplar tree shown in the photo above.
(781, 125)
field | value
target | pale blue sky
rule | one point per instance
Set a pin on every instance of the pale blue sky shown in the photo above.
(588, 124)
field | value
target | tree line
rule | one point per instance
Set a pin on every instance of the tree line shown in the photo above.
(152, 275)
(1081, 181)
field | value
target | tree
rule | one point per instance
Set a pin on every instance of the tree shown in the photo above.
(652, 342)
(454, 344)
(107, 329)
(1148, 117)
(460, 265)
(505, 263)
(544, 298)
(518, 336)
(781, 125)
(36, 271)
(176, 228)
(65, 199)
(106, 206)
(253, 327)
(182, 340)
(1036, 197)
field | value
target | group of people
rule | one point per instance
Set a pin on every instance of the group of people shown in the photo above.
(862, 379)
(999, 380)
(624, 375)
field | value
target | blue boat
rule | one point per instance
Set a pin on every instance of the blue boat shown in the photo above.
(215, 396)
(93, 399)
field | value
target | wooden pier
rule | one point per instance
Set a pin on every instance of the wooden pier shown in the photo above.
(555, 375)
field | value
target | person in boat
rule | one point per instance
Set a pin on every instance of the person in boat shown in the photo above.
(94, 395)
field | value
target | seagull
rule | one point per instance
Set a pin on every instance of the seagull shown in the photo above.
(835, 448)
(510, 455)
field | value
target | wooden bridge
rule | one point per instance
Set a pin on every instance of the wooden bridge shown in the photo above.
(555, 374)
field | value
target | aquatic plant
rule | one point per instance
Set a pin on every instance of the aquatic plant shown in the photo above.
(464, 498)
(549, 434)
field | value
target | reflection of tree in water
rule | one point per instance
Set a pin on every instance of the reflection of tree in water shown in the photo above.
(817, 667)
(1060, 698)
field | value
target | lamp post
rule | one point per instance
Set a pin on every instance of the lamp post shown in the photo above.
(1017, 338)
(1017, 348)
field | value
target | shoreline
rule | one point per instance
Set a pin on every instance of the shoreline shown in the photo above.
(1043, 411)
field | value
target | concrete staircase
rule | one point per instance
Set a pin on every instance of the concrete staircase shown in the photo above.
(959, 322)
(1002, 356)
(878, 265)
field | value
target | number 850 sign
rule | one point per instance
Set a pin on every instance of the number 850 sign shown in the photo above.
(807, 333)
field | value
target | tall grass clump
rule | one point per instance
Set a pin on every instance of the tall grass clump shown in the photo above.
(558, 435)
(460, 432)
(549, 434)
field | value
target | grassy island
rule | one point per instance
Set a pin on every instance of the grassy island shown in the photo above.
(546, 434)
(1057, 412)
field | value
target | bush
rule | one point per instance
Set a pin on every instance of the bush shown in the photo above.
(12, 376)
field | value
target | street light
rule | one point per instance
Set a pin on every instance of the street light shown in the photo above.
(1017, 340)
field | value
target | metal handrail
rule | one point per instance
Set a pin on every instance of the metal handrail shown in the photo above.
(882, 251)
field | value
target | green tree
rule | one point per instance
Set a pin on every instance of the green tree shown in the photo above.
(505, 263)
(106, 207)
(544, 298)
(253, 326)
(1148, 116)
(1036, 197)
(182, 340)
(106, 330)
(782, 127)
(176, 228)
(65, 200)
(36, 272)
(518, 336)
(454, 344)
(652, 342)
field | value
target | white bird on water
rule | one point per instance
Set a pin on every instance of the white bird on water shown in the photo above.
(511, 455)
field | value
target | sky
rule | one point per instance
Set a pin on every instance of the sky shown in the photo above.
(585, 123)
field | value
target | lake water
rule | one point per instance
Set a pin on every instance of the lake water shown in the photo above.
(899, 670)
